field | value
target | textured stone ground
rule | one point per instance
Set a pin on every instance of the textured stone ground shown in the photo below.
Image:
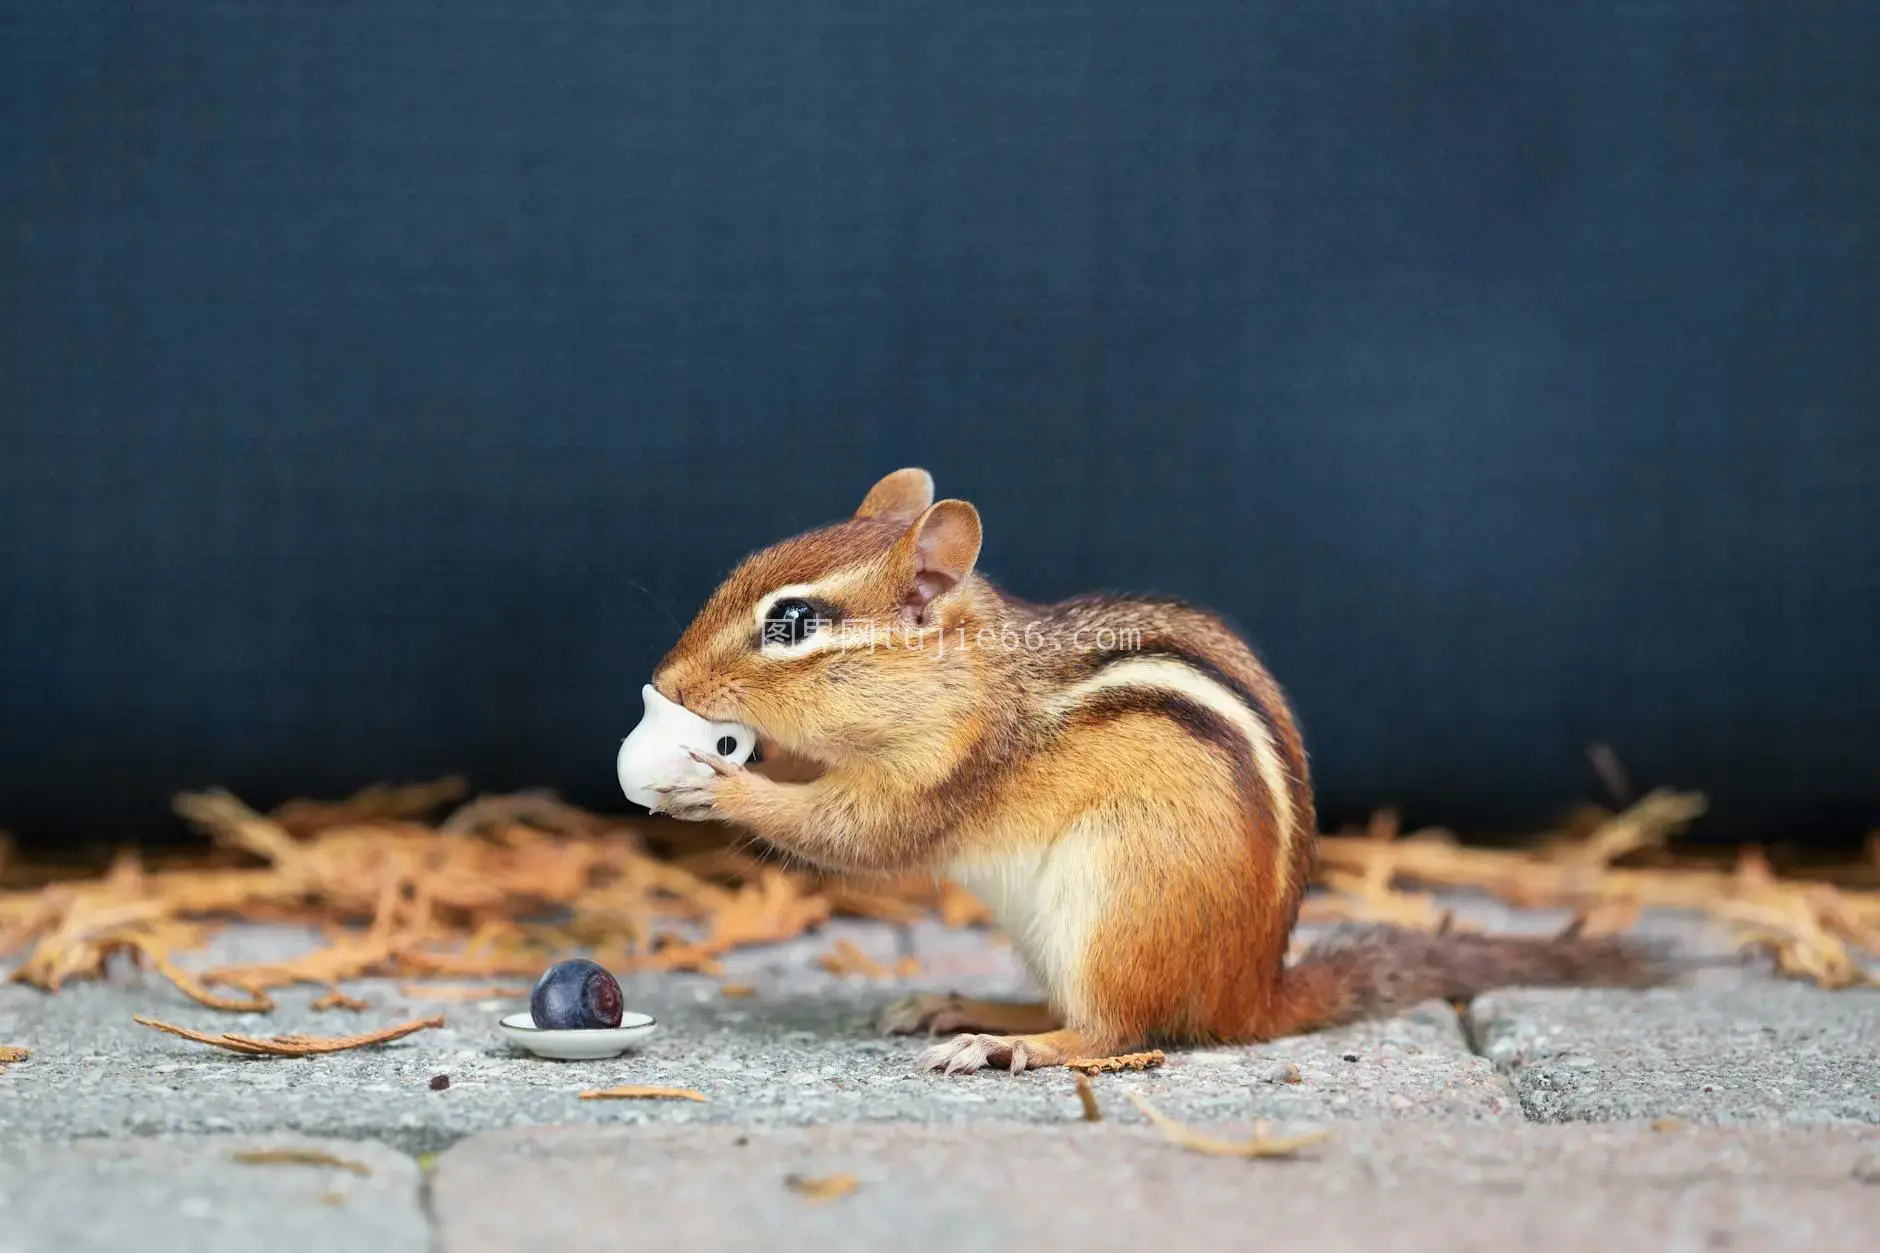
(1732, 1111)
(1118, 1187)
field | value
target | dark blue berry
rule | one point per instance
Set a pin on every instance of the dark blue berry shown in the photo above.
(574, 996)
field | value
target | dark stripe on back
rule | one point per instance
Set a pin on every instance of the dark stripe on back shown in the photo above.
(1198, 720)
(1295, 768)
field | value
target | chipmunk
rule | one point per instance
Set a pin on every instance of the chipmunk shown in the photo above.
(1119, 779)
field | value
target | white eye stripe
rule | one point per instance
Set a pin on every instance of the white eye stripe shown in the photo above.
(814, 642)
(823, 590)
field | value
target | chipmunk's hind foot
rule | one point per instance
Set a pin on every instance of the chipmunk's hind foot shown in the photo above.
(966, 1053)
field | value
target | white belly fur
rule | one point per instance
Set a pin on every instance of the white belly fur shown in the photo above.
(1048, 898)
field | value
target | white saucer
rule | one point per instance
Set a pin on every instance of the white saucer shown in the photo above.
(581, 1045)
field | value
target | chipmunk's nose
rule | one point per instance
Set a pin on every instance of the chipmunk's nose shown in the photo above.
(674, 684)
(663, 683)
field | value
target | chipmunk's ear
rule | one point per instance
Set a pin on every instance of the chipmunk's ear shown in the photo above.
(902, 494)
(937, 552)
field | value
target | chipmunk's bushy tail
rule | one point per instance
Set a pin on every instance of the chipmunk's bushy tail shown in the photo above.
(1372, 971)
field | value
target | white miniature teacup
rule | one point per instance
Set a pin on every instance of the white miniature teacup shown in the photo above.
(659, 752)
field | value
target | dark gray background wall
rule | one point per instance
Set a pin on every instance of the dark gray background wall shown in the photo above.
(375, 378)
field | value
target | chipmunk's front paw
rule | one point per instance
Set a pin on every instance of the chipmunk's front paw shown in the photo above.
(926, 1011)
(712, 796)
(937, 1015)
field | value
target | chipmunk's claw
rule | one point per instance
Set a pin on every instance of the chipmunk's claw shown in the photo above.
(691, 801)
(1018, 1052)
(703, 798)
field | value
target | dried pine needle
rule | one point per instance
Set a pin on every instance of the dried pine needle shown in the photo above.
(1611, 773)
(855, 902)
(736, 991)
(299, 1157)
(821, 1188)
(381, 800)
(848, 959)
(256, 1002)
(960, 908)
(641, 1092)
(336, 999)
(1808, 928)
(400, 894)
(1087, 1097)
(1126, 1061)
(1260, 1145)
(491, 992)
(292, 1045)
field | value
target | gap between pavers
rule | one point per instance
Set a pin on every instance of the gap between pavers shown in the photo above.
(1733, 1051)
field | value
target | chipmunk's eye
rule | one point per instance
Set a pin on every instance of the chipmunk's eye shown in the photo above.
(790, 622)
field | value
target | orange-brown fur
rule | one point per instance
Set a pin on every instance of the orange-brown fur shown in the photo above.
(1151, 852)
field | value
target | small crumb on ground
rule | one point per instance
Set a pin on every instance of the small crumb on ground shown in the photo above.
(1125, 1061)
(299, 1157)
(823, 1188)
(640, 1092)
